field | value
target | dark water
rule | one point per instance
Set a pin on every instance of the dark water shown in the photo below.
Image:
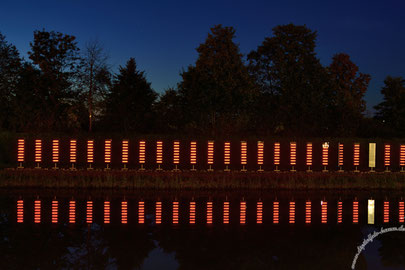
(199, 230)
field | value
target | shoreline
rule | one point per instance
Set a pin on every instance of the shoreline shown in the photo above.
(192, 180)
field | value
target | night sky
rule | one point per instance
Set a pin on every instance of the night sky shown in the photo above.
(163, 35)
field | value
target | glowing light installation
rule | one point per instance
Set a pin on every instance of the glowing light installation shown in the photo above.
(292, 213)
(340, 212)
(193, 155)
(260, 155)
(309, 156)
(226, 213)
(387, 157)
(125, 154)
(54, 214)
(176, 154)
(124, 212)
(386, 212)
(37, 211)
(210, 155)
(73, 153)
(242, 217)
(402, 157)
(175, 213)
(371, 156)
(370, 211)
(55, 153)
(325, 156)
(20, 211)
(158, 213)
(38, 153)
(227, 155)
(141, 212)
(356, 156)
(90, 153)
(107, 212)
(20, 152)
(293, 155)
(276, 214)
(401, 211)
(340, 156)
(308, 205)
(192, 212)
(209, 212)
(159, 154)
(107, 153)
(89, 213)
(243, 155)
(276, 156)
(324, 212)
(259, 212)
(142, 154)
(72, 212)
(355, 212)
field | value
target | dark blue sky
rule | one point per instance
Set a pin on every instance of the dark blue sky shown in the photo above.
(163, 35)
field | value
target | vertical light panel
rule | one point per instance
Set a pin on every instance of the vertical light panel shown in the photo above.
(20, 211)
(175, 218)
(227, 155)
(37, 211)
(401, 211)
(55, 151)
(72, 212)
(89, 212)
(276, 212)
(90, 152)
(124, 212)
(142, 153)
(402, 156)
(73, 151)
(107, 152)
(355, 212)
(293, 154)
(210, 154)
(243, 155)
(259, 212)
(38, 152)
(356, 155)
(54, 213)
(292, 213)
(371, 155)
(226, 213)
(192, 212)
(325, 155)
(308, 214)
(125, 152)
(386, 212)
(158, 213)
(387, 156)
(209, 212)
(242, 217)
(193, 154)
(176, 153)
(324, 212)
(141, 212)
(260, 154)
(276, 155)
(107, 212)
(159, 153)
(20, 150)
(340, 212)
(370, 212)
(340, 156)
(309, 155)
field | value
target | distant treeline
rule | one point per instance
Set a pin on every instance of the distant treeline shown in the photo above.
(279, 89)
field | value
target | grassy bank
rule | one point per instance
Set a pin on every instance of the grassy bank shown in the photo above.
(115, 179)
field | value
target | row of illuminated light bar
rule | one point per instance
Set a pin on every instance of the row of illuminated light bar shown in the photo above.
(209, 212)
(210, 154)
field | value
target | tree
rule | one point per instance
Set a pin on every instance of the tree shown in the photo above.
(349, 87)
(56, 56)
(95, 79)
(169, 116)
(391, 111)
(295, 83)
(130, 102)
(217, 92)
(10, 65)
